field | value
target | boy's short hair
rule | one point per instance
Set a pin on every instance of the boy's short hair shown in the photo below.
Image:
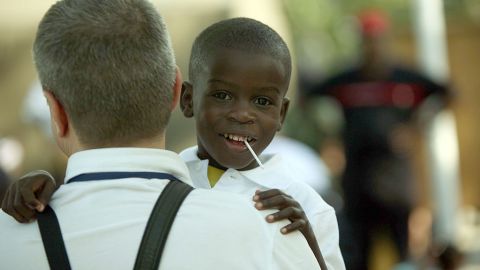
(244, 34)
(111, 65)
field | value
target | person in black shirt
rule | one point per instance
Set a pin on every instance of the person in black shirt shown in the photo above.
(379, 100)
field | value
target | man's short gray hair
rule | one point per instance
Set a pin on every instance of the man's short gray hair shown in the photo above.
(111, 65)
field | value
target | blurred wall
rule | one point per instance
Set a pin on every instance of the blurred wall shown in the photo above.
(18, 20)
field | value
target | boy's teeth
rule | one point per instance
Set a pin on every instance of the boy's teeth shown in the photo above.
(236, 138)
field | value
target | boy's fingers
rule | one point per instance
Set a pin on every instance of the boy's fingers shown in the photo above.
(297, 225)
(277, 202)
(8, 203)
(269, 193)
(44, 196)
(18, 217)
(5, 200)
(8, 208)
(29, 197)
(21, 208)
(36, 191)
(290, 213)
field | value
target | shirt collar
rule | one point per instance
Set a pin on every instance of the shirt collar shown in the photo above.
(198, 168)
(274, 173)
(127, 159)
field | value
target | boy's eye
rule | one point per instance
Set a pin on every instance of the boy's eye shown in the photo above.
(262, 101)
(222, 95)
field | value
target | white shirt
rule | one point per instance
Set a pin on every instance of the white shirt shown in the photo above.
(276, 174)
(103, 222)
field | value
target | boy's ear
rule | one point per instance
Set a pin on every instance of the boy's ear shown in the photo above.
(186, 99)
(283, 112)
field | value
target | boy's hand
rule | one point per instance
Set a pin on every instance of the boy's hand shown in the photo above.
(29, 194)
(289, 209)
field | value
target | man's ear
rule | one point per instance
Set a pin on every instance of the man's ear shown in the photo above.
(176, 88)
(186, 99)
(283, 112)
(57, 114)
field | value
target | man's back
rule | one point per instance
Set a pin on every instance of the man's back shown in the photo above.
(103, 222)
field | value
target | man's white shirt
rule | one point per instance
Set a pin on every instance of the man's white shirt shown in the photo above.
(103, 222)
(275, 174)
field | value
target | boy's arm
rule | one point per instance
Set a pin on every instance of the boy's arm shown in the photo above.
(29, 194)
(289, 209)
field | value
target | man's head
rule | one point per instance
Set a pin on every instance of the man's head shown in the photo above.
(107, 69)
(374, 32)
(239, 74)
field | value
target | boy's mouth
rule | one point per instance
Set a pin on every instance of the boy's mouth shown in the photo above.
(237, 138)
(237, 142)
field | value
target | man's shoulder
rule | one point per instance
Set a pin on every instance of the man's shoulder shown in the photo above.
(223, 202)
(233, 228)
(228, 208)
(217, 213)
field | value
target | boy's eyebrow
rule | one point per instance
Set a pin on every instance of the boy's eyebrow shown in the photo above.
(220, 81)
(270, 88)
(267, 88)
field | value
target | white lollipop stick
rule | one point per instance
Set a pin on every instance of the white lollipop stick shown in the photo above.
(253, 154)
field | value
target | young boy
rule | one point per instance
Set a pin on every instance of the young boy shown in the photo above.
(239, 74)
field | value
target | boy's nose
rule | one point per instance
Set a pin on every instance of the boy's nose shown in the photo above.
(242, 113)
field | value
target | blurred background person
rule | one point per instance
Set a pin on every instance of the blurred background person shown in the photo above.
(379, 99)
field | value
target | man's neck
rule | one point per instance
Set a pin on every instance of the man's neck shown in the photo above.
(157, 142)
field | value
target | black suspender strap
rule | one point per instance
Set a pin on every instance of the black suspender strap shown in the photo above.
(156, 231)
(99, 176)
(159, 224)
(53, 240)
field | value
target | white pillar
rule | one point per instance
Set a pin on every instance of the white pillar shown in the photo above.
(441, 136)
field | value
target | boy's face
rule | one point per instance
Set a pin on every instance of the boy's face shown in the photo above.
(238, 96)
